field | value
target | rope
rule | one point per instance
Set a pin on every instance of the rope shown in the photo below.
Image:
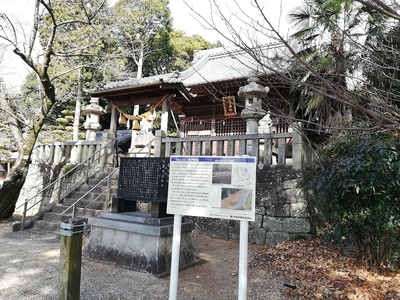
(141, 116)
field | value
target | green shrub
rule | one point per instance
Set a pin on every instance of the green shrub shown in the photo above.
(354, 196)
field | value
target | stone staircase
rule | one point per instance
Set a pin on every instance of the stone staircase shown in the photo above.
(91, 205)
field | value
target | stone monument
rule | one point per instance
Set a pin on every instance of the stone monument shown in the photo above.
(135, 239)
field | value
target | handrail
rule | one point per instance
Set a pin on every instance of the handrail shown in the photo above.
(73, 205)
(85, 162)
(148, 146)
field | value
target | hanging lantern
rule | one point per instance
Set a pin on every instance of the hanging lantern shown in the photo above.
(136, 125)
(122, 120)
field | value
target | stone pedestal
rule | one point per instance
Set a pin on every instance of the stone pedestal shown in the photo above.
(138, 241)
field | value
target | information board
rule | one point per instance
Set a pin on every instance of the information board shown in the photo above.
(143, 179)
(212, 186)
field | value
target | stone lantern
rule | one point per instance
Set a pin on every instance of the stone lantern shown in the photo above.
(252, 93)
(93, 111)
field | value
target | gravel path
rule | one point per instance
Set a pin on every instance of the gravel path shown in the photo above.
(29, 269)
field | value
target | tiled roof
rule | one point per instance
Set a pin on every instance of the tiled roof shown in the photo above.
(146, 81)
(209, 66)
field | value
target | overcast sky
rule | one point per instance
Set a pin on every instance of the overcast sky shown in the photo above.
(184, 19)
(13, 70)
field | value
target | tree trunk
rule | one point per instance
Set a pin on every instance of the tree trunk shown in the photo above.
(9, 194)
(78, 107)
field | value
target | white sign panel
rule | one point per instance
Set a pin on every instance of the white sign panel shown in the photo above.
(212, 186)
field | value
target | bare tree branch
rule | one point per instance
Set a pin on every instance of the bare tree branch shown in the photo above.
(380, 7)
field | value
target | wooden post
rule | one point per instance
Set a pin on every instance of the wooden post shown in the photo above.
(70, 260)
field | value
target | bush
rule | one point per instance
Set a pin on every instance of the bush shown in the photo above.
(354, 195)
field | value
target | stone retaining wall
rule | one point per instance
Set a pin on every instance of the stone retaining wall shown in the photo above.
(281, 211)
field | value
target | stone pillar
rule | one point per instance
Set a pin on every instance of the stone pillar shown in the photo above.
(298, 151)
(164, 117)
(93, 111)
(159, 149)
(252, 93)
(113, 124)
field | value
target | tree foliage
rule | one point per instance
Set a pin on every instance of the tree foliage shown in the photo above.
(142, 30)
(354, 195)
(328, 33)
(184, 48)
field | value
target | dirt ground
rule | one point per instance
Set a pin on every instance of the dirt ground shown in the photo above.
(29, 269)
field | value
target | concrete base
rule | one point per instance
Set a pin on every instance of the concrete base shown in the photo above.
(15, 226)
(138, 241)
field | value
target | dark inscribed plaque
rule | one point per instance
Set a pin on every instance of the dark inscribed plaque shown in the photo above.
(143, 179)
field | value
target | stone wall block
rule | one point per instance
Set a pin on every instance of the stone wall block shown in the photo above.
(279, 210)
(298, 210)
(272, 224)
(234, 230)
(257, 236)
(260, 211)
(212, 227)
(274, 238)
(296, 225)
(293, 195)
(290, 184)
(269, 198)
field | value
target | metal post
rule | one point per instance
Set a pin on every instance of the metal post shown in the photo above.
(87, 171)
(59, 185)
(243, 252)
(24, 216)
(73, 211)
(70, 260)
(176, 244)
(108, 194)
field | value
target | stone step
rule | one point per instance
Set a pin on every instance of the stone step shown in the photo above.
(90, 206)
(101, 175)
(95, 180)
(89, 203)
(91, 196)
(46, 226)
(55, 217)
(87, 213)
(102, 188)
(53, 227)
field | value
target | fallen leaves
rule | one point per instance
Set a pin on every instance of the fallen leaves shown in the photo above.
(316, 270)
